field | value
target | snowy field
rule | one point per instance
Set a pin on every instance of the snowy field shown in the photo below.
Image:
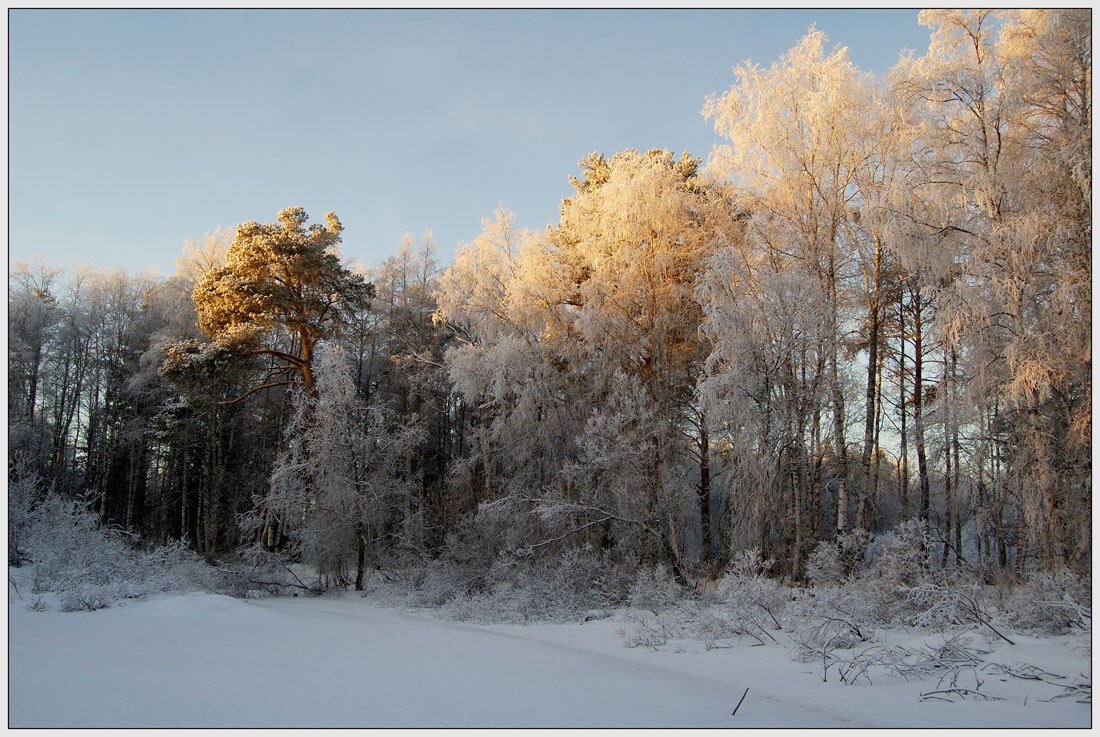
(202, 660)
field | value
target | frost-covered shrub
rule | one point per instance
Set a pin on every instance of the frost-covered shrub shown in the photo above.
(1050, 603)
(944, 604)
(715, 627)
(443, 581)
(746, 603)
(254, 572)
(941, 658)
(503, 604)
(834, 562)
(900, 556)
(522, 588)
(862, 596)
(897, 564)
(653, 630)
(655, 589)
(22, 493)
(463, 568)
(86, 566)
(825, 618)
(575, 582)
(751, 603)
(684, 619)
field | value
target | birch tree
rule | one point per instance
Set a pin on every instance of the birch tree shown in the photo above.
(798, 144)
(765, 389)
(1007, 100)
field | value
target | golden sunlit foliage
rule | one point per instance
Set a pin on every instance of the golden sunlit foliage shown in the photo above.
(281, 281)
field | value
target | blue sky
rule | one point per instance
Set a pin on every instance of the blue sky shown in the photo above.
(132, 131)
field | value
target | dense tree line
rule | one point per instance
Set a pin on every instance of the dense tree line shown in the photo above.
(872, 306)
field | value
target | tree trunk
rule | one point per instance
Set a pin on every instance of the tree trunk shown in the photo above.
(862, 517)
(704, 490)
(1021, 539)
(32, 381)
(955, 449)
(816, 480)
(948, 480)
(840, 445)
(918, 406)
(903, 457)
(360, 556)
(802, 474)
(1000, 494)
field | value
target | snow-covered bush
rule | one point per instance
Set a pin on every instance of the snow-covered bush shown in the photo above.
(944, 657)
(578, 580)
(751, 603)
(654, 630)
(22, 492)
(655, 589)
(834, 562)
(463, 568)
(746, 603)
(517, 587)
(1050, 603)
(898, 563)
(900, 556)
(825, 618)
(943, 604)
(870, 594)
(85, 566)
(254, 573)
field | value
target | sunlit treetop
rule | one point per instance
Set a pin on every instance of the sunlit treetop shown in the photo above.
(281, 278)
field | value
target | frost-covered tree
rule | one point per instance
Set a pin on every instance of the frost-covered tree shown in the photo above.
(1006, 102)
(397, 349)
(545, 324)
(633, 241)
(281, 281)
(343, 482)
(798, 140)
(33, 313)
(615, 452)
(211, 454)
(115, 456)
(282, 290)
(766, 392)
(503, 305)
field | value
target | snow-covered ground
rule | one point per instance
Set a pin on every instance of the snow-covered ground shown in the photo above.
(201, 660)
